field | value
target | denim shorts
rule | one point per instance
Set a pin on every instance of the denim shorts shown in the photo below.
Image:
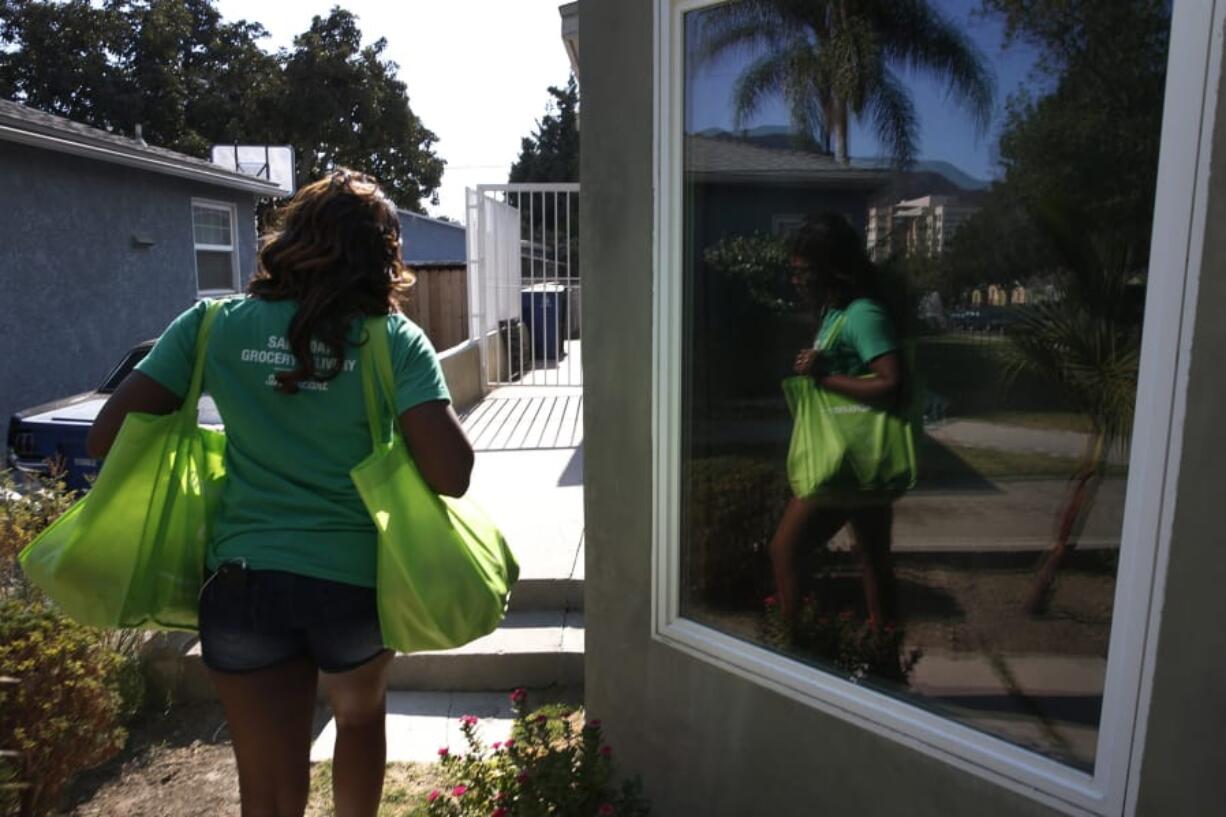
(254, 619)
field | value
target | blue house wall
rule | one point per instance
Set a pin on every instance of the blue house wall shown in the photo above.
(428, 240)
(76, 290)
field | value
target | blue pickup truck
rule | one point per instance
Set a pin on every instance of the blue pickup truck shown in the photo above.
(54, 433)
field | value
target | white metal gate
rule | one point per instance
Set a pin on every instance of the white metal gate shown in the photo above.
(523, 280)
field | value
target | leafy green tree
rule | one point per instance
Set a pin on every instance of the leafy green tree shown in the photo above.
(837, 60)
(551, 153)
(343, 105)
(192, 79)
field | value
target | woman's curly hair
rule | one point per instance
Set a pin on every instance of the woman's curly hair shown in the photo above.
(335, 251)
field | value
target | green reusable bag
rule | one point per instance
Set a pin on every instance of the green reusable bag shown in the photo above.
(444, 571)
(845, 452)
(130, 553)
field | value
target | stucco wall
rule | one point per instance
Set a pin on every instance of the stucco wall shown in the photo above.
(710, 743)
(75, 292)
(1185, 756)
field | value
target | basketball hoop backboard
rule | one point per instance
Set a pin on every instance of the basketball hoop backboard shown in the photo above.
(272, 162)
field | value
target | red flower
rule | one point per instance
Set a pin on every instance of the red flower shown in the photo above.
(510, 742)
(605, 810)
(594, 723)
(432, 796)
(771, 601)
(519, 696)
(458, 791)
(497, 745)
(469, 720)
(499, 812)
(444, 752)
(542, 718)
(521, 778)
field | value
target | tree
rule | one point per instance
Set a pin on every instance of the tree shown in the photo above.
(191, 79)
(343, 105)
(836, 60)
(551, 153)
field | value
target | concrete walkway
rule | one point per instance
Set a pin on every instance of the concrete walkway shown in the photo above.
(529, 478)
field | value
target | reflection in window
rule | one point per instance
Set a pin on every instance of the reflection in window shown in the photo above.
(928, 223)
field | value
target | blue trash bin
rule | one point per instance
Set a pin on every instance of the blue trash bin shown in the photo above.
(544, 311)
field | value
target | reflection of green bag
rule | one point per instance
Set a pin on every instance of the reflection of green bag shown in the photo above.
(845, 452)
(444, 570)
(131, 552)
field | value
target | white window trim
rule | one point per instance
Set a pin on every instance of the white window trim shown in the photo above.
(1179, 226)
(232, 247)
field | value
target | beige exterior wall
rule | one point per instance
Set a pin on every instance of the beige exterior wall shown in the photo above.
(711, 743)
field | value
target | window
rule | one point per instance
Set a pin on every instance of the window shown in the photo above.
(216, 247)
(965, 559)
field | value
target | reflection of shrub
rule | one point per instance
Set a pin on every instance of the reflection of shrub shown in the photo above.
(65, 713)
(549, 766)
(734, 505)
(759, 262)
(860, 649)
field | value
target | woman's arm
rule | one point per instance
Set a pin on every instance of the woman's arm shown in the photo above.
(138, 392)
(881, 387)
(439, 446)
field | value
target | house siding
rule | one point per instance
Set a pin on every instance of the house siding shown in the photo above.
(708, 742)
(75, 291)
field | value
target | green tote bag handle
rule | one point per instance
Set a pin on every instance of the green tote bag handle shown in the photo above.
(445, 572)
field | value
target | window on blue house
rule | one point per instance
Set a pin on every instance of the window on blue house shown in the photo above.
(215, 246)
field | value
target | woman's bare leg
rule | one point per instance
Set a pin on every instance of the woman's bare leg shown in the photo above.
(359, 704)
(873, 529)
(270, 713)
(804, 524)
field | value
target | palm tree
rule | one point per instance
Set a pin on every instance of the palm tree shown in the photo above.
(1088, 345)
(835, 60)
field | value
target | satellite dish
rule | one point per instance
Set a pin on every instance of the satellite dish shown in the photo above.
(272, 162)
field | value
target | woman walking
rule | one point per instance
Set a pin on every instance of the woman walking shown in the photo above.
(290, 571)
(855, 354)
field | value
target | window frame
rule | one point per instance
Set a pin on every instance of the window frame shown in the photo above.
(231, 210)
(1194, 68)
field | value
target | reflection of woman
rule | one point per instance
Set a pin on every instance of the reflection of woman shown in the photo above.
(293, 554)
(854, 354)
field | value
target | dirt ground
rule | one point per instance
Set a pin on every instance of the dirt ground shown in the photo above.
(179, 763)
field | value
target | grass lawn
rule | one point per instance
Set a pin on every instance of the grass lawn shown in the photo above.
(404, 789)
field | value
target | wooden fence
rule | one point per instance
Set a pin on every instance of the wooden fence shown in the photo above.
(438, 303)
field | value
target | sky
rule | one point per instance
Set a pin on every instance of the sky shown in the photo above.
(946, 132)
(476, 70)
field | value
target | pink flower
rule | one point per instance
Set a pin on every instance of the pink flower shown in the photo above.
(469, 720)
(497, 745)
(510, 742)
(771, 601)
(444, 752)
(519, 696)
(605, 810)
(499, 812)
(458, 791)
(432, 796)
(607, 751)
(594, 723)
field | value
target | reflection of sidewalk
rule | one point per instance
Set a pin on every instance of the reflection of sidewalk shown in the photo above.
(1046, 701)
(1016, 515)
(982, 434)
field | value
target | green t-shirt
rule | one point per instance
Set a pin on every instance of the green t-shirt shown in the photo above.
(288, 502)
(866, 335)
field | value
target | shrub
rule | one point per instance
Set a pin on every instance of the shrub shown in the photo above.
(549, 766)
(65, 713)
(734, 505)
(25, 510)
(862, 650)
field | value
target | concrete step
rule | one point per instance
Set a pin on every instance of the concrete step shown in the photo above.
(533, 649)
(532, 594)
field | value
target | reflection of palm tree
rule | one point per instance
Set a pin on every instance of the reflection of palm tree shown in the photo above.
(1088, 344)
(833, 60)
